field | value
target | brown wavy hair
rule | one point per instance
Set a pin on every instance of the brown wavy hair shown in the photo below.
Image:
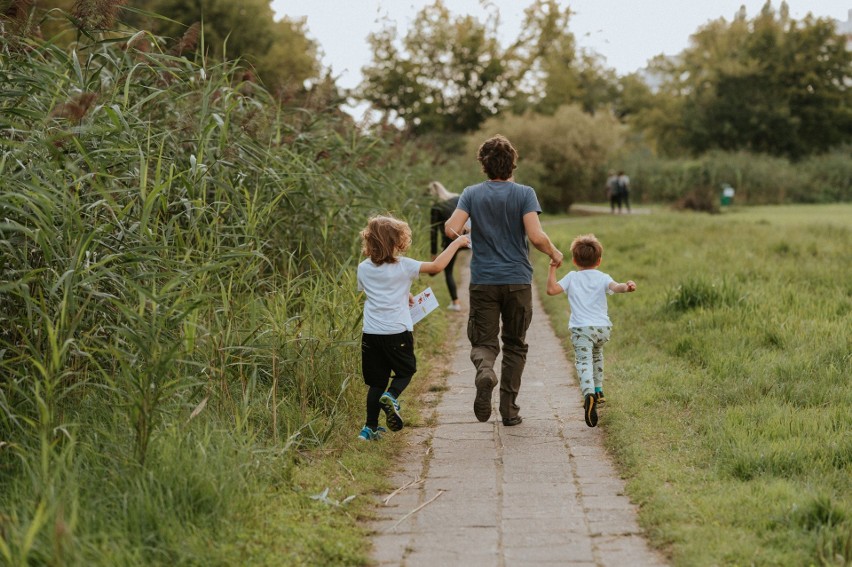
(586, 250)
(497, 157)
(384, 238)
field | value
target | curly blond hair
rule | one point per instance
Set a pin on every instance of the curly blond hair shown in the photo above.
(384, 238)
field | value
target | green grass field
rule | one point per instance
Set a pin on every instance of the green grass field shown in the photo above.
(727, 378)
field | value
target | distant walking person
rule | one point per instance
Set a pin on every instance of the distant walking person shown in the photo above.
(504, 216)
(589, 322)
(623, 185)
(612, 191)
(443, 208)
(387, 342)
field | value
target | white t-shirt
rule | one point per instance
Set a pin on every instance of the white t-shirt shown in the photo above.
(587, 291)
(387, 286)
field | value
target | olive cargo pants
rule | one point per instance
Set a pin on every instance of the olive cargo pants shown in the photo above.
(489, 305)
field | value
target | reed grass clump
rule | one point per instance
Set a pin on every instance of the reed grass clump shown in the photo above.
(178, 317)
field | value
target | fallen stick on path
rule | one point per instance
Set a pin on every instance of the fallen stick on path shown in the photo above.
(346, 469)
(417, 480)
(393, 527)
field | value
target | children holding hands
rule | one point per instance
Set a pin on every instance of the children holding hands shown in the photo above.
(387, 341)
(589, 322)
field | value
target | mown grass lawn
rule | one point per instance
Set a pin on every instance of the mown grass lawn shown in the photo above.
(728, 378)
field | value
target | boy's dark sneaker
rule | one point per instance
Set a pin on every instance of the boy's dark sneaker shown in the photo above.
(368, 434)
(510, 421)
(590, 412)
(599, 397)
(485, 382)
(391, 408)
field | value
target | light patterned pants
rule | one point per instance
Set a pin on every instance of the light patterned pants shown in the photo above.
(588, 352)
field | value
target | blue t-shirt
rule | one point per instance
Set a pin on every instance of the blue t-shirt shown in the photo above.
(500, 249)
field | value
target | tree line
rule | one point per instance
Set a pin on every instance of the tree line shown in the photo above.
(768, 83)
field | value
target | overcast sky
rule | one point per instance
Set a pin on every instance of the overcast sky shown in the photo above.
(626, 32)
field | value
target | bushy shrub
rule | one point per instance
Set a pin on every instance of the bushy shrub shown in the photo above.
(829, 177)
(757, 178)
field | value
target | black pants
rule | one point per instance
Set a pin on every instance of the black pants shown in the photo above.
(615, 201)
(451, 281)
(386, 358)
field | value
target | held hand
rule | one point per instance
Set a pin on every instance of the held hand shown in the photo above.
(556, 259)
(463, 240)
(631, 285)
(410, 299)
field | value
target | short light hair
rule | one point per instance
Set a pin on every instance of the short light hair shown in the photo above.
(437, 189)
(586, 250)
(498, 157)
(384, 238)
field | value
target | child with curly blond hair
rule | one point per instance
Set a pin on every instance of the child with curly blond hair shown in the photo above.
(387, 341)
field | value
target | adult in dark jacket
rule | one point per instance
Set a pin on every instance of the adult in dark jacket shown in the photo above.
(442, 210)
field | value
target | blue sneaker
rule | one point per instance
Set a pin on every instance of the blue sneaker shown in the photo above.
(368, 434)
(391, 408)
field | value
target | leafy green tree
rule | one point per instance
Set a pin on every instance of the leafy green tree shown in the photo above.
(581, 79)
(280, 51)
(633, 97)
(653, 117)
(451, 78)
(771, 84)
(451, 74)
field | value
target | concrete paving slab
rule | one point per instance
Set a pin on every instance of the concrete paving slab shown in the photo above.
(544, 492)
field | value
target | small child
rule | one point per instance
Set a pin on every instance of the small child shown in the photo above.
(589, 323)
(387, 342)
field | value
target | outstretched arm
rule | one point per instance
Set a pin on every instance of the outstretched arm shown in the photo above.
(626, 287)
(540, 240)
(439, 263)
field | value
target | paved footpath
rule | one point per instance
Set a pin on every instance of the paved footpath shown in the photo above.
(541, 493)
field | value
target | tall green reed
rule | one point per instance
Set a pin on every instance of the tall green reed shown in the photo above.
(178, 254)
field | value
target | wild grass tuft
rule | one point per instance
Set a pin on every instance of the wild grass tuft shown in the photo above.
(698, 293)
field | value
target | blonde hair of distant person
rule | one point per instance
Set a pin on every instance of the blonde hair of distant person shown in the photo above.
(385, 238)
(437, 189)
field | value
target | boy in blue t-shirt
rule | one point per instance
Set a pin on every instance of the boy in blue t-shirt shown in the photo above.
(589, 323)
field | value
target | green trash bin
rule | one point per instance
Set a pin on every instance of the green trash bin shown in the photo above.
(727, 195)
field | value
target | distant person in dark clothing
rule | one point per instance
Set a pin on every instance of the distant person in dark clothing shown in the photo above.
(622, 184)
(443, 208)
(612, 191)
